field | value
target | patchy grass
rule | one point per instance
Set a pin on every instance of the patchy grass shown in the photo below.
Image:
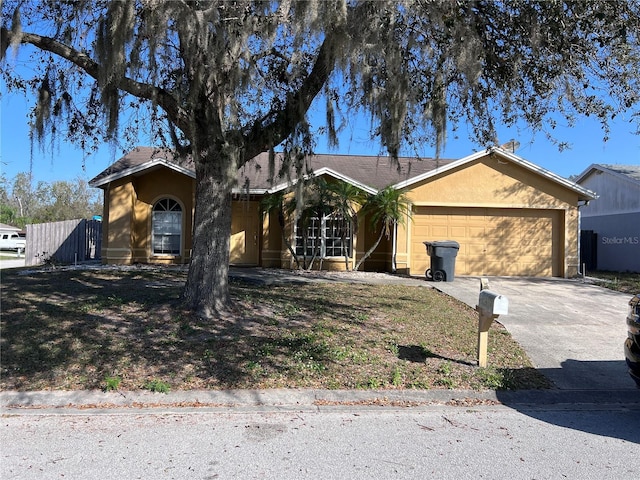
(619, 281)
(72, 329)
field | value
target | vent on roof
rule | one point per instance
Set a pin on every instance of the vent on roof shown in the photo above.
(511, 146)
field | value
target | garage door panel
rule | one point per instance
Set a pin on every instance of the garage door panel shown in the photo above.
(535, 268)
(538, 229)
(473, 248)
(492, 241)
(494, 267)
(500, 249)
(476, 232)
(458, 231)
(439, 231)
(532, 250)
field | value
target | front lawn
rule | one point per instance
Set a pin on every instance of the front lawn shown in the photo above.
(123, 329)
(621, 282)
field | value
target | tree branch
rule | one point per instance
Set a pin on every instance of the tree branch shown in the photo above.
(138, 89)
(261, 137)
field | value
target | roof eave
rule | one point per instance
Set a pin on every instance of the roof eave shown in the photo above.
(601, 168)
(250, 191)
(103, 182)
(584, 193)
(439, 170)
(325, 171)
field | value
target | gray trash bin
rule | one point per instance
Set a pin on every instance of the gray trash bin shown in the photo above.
(443, 260)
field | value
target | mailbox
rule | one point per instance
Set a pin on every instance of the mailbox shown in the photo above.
(492, 303)
(490, 306)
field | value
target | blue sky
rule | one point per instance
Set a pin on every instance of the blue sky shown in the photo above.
(67, 162)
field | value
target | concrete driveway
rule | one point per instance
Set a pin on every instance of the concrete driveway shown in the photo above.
(17, 263)
(11, 260)
(572, 331)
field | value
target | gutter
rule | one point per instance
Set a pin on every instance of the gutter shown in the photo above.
(394, 245)
(581, 270)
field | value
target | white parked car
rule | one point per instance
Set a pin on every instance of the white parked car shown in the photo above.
(13, 241)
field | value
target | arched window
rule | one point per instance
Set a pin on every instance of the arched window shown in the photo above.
(167, 227)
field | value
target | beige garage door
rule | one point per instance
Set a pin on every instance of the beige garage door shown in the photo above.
(493, 241)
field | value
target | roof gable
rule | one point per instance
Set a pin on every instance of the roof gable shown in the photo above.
(584, 193)
(630, 173)
(328, 172)
(142, 159)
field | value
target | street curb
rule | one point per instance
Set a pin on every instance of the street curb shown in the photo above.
(89, 402)
(233, 398)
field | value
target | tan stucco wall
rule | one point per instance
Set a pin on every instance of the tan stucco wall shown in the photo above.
(116, 242)
(272, 245)
(129, 203)
(493, 182)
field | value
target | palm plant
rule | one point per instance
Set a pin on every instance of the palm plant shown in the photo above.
(387, 208)
(304, 203)
(316, 203)
(345, 197)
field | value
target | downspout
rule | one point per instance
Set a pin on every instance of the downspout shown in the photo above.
(581, 272)
(394, 247)
(580, 269)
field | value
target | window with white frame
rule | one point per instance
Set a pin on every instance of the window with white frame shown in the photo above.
(324, 237)
(167, 227)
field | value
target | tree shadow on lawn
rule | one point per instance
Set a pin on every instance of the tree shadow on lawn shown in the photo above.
(71, 329)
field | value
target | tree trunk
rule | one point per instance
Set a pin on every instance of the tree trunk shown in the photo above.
(207, 288)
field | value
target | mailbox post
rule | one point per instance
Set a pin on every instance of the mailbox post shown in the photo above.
(490, 306)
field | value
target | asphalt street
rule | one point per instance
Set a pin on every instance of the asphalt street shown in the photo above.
(441, 442)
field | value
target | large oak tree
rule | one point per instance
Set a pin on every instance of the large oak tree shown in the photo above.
(227, 80)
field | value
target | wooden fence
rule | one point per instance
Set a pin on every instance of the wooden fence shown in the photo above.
(67, 242)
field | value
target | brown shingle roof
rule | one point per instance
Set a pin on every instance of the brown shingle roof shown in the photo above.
(373, 172)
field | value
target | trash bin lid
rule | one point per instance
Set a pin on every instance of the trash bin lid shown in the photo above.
(444, 243)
